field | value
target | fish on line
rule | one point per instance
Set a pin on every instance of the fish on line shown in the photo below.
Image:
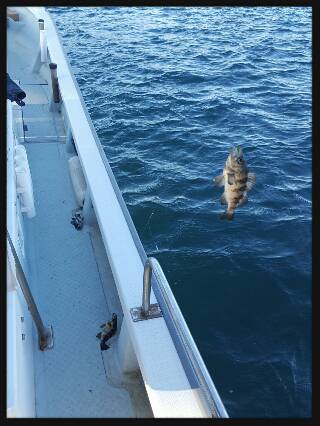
(237, 182)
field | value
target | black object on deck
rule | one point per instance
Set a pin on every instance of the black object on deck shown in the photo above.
(14, 92)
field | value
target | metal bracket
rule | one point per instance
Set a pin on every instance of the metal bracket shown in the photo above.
(153, 312)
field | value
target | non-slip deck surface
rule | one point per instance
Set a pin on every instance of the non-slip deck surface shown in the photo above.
(70, 379)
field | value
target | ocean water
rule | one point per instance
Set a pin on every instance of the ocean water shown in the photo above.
(170, 90)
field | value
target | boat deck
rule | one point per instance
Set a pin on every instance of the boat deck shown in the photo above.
(70, 278)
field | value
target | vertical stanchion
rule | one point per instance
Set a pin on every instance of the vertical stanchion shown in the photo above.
(45, 334)
(146, 310)
(43, 42)
(55, 84)
(146, 288)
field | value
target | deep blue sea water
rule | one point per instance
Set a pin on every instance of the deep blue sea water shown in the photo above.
(170, 90)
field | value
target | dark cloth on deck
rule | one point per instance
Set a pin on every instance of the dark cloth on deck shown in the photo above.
(14, 92)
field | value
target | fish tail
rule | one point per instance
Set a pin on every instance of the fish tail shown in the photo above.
(228, 215)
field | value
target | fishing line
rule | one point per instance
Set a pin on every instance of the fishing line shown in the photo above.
(148, 221)
(148, 226)
(276, 372)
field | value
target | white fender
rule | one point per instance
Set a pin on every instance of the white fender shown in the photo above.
(78, 179)
(24, 181)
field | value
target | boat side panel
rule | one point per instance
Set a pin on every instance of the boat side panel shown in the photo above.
(20, 367)
(20, 382)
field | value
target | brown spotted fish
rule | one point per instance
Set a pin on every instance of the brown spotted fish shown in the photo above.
(237, 182)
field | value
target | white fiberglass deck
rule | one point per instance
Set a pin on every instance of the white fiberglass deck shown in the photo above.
(70, 379)
(72, 284)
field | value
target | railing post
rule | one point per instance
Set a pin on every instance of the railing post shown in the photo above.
(147, 272)
(43, 43)
(54, 81)
(42, 53)
(45, 333)
(146, 311)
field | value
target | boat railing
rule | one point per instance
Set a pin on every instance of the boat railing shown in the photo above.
(172, 313)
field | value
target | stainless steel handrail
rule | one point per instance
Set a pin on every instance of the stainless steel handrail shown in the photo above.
(146, 311)
(45, 334)
(209, 392)
(146, 287)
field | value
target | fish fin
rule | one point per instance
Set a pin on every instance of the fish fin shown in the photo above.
(230, 178)
(223, 199)
(227, 215)
(219, 180)
(243, 200)
(251, 181)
